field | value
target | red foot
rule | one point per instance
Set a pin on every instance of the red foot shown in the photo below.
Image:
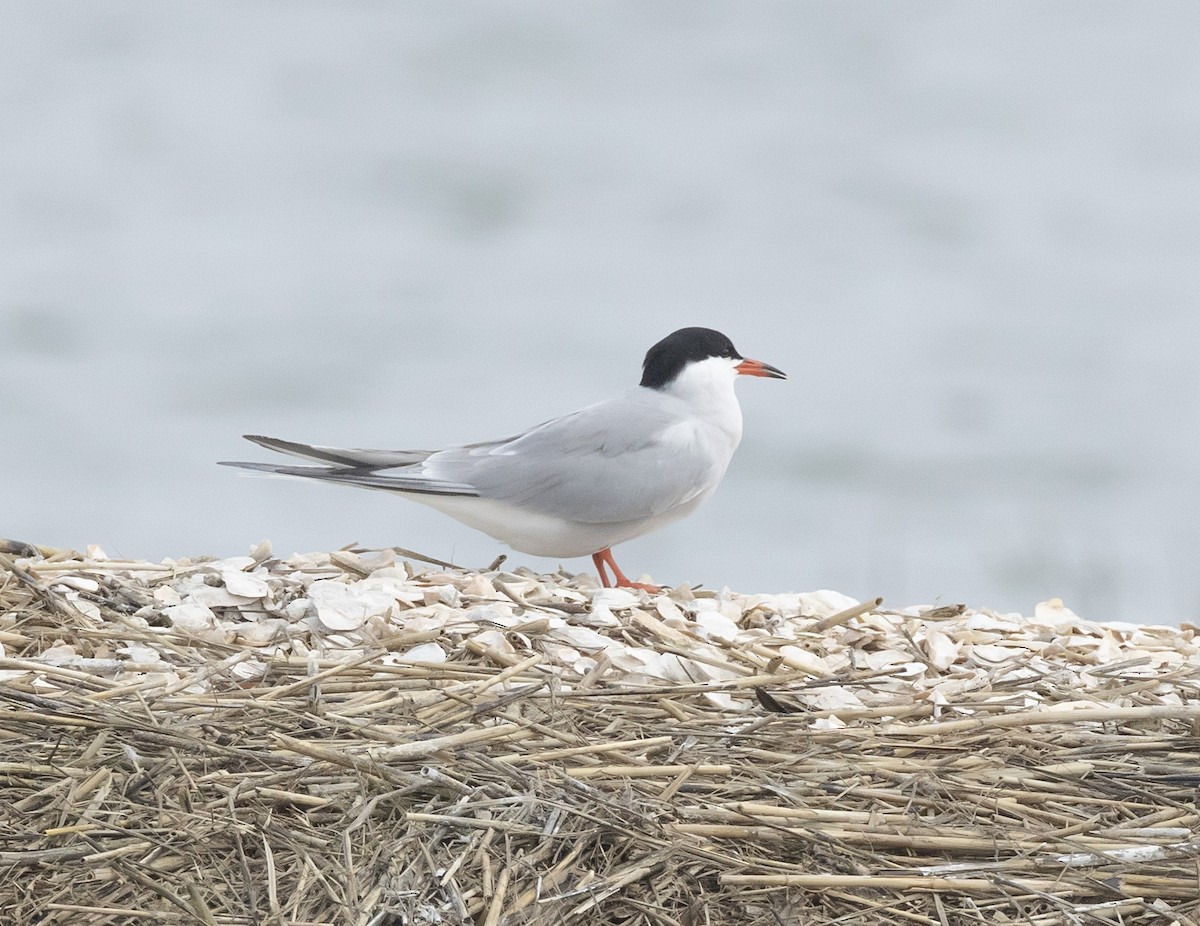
(605, 557)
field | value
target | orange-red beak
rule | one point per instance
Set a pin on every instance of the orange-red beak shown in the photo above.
(758, 368)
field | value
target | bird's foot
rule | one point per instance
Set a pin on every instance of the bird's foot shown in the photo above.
(644, 586)
(620, 580)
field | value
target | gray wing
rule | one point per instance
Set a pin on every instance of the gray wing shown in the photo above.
(616, 461)
(628, 458)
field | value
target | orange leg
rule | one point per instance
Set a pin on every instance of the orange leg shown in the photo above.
(605, 557)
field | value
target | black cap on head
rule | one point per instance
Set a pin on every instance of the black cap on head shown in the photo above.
(666, 359)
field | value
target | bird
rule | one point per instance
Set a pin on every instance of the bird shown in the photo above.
(579, 484)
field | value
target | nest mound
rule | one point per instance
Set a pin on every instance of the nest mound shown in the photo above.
(350, 738)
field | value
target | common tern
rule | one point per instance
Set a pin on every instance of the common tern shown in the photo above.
(579, 484)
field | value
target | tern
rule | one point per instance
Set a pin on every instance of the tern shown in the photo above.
(580, 484)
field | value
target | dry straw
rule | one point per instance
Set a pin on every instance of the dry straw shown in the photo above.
(232, 742)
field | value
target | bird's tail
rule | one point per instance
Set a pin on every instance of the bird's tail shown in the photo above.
(355, 467)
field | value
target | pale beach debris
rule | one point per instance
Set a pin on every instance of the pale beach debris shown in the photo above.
(352, 736)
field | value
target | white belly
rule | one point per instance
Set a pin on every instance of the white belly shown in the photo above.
(545, 535)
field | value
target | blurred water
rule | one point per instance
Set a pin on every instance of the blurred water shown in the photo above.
(969, 232)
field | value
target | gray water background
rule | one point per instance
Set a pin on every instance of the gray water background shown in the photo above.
(969, 231)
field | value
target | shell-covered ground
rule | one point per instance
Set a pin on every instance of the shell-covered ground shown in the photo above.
(357, 737)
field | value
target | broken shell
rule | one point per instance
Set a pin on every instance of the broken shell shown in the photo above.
(347, 607)
(245, 584)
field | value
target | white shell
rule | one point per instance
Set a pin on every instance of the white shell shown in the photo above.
(941, 651)
(245, 584)
(79, 583)
(423, 652)
(347, 607)
(713, 625)
(190, 617)
(615, 599)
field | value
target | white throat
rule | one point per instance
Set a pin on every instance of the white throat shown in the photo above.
(706, 386)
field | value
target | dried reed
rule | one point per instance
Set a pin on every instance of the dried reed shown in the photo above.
(262, 767)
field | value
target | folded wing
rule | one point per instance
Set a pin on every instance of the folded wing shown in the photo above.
(610, 463)
(621, 460)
